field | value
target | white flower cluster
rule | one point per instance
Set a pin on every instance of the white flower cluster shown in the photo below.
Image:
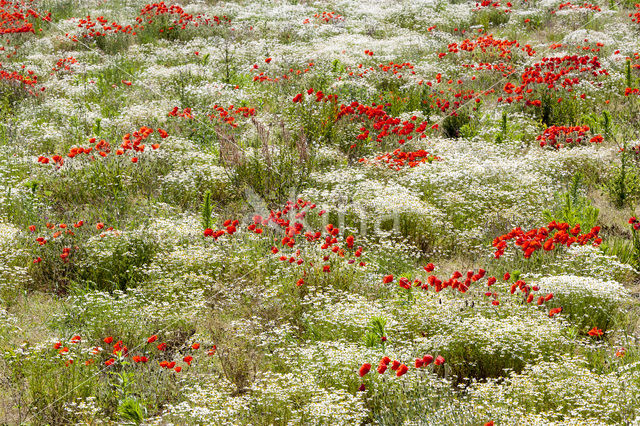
(572, 286)
(560, 392)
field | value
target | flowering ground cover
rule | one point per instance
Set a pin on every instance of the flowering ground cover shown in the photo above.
(319, 212)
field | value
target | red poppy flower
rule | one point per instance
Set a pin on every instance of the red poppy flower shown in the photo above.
(402, 370)
(364, 369)
(387, 279)
(595, 332)
(152, 339)
(349, 241)
(427, 359)
(554, 311)
(439, 360)
(404, 283)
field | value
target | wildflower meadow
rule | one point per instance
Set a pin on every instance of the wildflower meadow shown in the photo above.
(350, 212)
